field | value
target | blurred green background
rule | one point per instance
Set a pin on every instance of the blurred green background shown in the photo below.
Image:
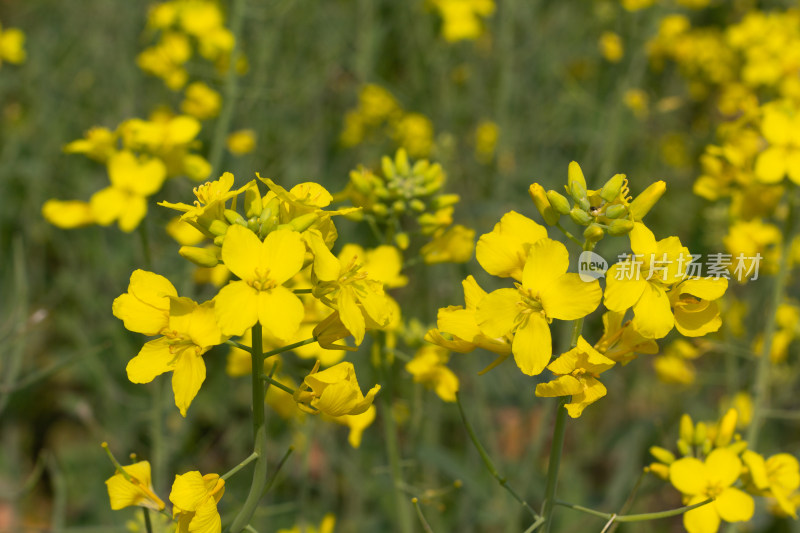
(537, 72)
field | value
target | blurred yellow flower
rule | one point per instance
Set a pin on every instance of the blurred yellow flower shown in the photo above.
(201, 101)
(326, 526)
(455, 244)
(463, 19)
(241, 142)
(486, 135)
(334, 392)
(611, 46)
(429, 367)
(414, 132)
(12, 45)
(195, 498)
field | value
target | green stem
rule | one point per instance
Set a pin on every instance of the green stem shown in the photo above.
(425, 525)
(569, 235)
(260, 437)
(302, 291)
(761, 386)
(250, 458)
(278, 384)
(278, 467)
(634, 517)
(157, 435)
(288, 347)
(402, 512)
(239, 345)
(147, 524)
(230, 91)
(488, 461)
(559, 430)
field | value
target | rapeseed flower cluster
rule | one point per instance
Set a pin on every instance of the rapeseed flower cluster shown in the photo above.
(714, 463)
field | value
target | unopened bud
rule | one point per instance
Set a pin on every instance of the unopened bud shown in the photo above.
(445, 200)
(684, 448)
(700, 433)
(593, 233)
(612, 187)
(559, 202)
(686, 428)
(387, 166)
(642, 204)
(218, 227)
(580, 217)
(660, 470)
(726, 428)
(575, 175)
(204, 257)
(542, 204)
(417, 205)
(662, 454)
(303, 222)
(615, 211)
(621, 226)
(402, 240)
(380, 209)
(738, 447)
(401, 162)
(234, 218)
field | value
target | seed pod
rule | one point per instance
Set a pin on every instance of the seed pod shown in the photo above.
(612, 187)
(559, 202)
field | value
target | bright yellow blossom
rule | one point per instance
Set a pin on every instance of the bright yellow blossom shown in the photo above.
(134, 487)
(334, 392)
(778, 477)
(201, 101)
(259, 296)
(695, 307)
(621, 342)
(456, 244)
(577, 372)
(503, 251)
(645, 289)
(188, 330)
(781, 128)
(547, 291)
(195, 498)
(711, 479)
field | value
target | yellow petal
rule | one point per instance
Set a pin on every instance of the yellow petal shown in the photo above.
(757, 467)
(153, 359)
(652, 313)
(699, 323)
(280, 311)
(622, 293)
(547, 261)
(108, 204)
(704, 519)
(282, 253)
(734, 505)
(592, 391)
(241, 249)
(561, 386)
(326, 265)
(142, 178)
(642, 240)
(459, 322)
(69, 214)
(187, 377)
(473, 293)
(236, 308)
(532, 346)
(188, 491)
(497, 312)
(704, 288)
(688, 475)
(568, 297)
(145, 307)
(350, 314)
(339, 399)
(793, 165)
(723, 467)
(771, 165)
(135, 210)
(206, 518)
(503, 251)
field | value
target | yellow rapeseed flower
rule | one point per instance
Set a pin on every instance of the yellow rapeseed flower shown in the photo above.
(334, 392)
(546, 292)
(12, 45)
(429, 367)
(195, 498)
(133, 487)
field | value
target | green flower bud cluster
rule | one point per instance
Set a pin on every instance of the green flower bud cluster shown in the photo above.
(403, 189)
(608, 211)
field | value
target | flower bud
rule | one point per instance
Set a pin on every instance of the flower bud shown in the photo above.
(621, 226)
(700, 433)
(303, 222)
(707, 445)
(684, 448)
(218, 227)
(612, 187)
(402, 240)
(738, 447)
(542, 204)
(204, 257)
(559, 202)
(580, 217)
(686, 428)
(399, 206)
(593, 232)
(660, 470)
(662, 454)
(575, 176)
(726, 428)
(417, 205)
(380, 209)
(234, 218)
(615, 211)
(642, 204)
(360, 181)
(401, 162)
(387, 167)
(445, 200)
